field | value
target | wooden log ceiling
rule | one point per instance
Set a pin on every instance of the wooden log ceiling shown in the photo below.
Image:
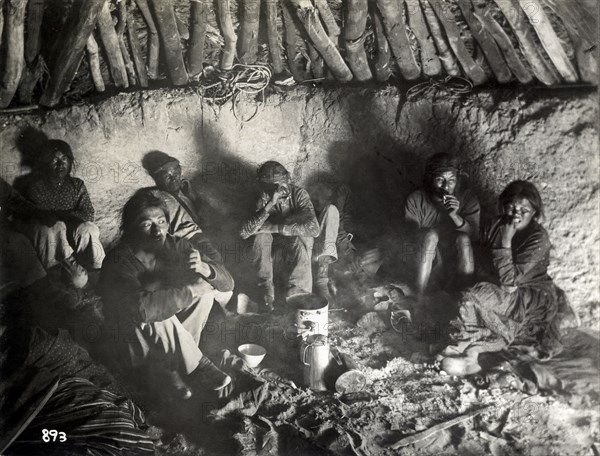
(130, 43)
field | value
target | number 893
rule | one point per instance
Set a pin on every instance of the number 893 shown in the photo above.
(53, 435)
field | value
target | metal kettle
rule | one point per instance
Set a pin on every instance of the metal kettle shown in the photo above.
(315, 357)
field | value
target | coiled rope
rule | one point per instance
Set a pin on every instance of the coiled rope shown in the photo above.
(220, 86)
(451, 86)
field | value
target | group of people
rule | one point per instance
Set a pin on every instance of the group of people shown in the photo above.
(160, 282)
(500, 269)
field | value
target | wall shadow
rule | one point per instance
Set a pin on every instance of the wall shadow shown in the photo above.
(382, 170)
(29, 142)
(228, 190)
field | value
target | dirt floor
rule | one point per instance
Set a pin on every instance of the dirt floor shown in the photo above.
(376, 142)
(405, 395)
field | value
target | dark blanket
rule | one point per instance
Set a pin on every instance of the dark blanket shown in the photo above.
(573, 372)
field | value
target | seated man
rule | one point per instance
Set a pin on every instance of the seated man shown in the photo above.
(65, 232)
(157, 294)
(447, 217)
(182, 216)
(285, 218)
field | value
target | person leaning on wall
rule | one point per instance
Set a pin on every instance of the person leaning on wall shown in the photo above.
(284, 220)
(515, 304)
(63, 232)
(183, 215)
(445, 215)
(157, 294)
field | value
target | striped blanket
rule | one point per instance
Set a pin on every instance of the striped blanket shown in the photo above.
(94, 422)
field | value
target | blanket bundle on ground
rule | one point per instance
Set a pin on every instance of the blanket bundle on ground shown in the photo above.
(94, 421)
(46, 383)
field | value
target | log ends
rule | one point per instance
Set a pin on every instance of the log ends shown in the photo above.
(164, 16)
(68, 49)
(516, 41)
(14, 58)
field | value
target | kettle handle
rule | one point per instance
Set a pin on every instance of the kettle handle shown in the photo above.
(304, 355)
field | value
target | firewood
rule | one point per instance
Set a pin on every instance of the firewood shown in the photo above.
(273, 36)
(136, 51)
(444, 52)
(68, 48)
(578, 16)
(429, 60)
(29, 80)
(483, 15)
(310, 19)
(489, 47)
(382, 64)
(182, 27)
(588, 15)
(120, 29)
(571, 16)
(333, 29)
(153, 41)
(1, 19)
(20, 109)
(586, 61)
(333, 32)
(171, 41)
(94, 60)
(224, 13)
(292, 42)
(110, 40)
(35, 14)
(14, 57)
(34, 63)
(199, 14)
(316, 62)
(541, 24)
(437, 428)
(354, 31)
(471, 68)
(393, 22)
(542, 71)
(248, 39)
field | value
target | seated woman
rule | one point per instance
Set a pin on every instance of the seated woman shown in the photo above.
(518, 303)
(64, 232)
(157, 293)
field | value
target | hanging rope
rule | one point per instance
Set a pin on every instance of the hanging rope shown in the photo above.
(218, 87)
(451, 86)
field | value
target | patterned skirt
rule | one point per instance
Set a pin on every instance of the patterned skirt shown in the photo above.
(494, 317)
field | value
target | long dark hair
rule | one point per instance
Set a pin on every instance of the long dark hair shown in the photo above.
(140, 201)
(522, 189)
